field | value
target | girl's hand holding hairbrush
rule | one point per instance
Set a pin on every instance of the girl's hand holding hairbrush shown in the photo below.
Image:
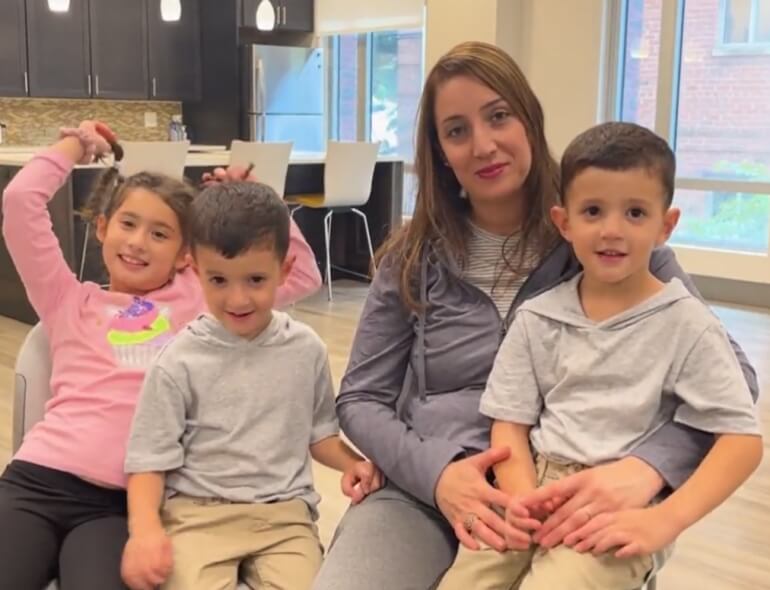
(232, 173)
(112, 139)
(95, 139)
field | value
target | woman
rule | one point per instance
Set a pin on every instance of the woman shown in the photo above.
(480, 242)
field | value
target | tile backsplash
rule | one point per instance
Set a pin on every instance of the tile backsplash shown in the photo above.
(36, 121)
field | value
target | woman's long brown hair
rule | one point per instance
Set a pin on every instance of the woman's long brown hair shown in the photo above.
(441, 215)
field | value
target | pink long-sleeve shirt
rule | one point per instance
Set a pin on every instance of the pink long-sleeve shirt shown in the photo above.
(101, 341)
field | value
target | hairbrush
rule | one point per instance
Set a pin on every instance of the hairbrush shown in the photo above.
(111, 139)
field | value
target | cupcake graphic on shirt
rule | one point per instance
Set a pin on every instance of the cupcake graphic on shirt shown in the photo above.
(138, 332)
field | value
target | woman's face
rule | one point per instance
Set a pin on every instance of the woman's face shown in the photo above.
(484, 143)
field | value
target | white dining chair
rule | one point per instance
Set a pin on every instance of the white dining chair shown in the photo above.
(348, 174)
(270, 161)
(161, 157)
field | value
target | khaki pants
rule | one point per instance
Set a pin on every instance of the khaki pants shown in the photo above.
(559, 568)
(273, 546)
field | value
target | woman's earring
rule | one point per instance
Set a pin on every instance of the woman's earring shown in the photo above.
(463, 194)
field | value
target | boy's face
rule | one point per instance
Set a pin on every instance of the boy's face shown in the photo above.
(614, 220)
(240, 291)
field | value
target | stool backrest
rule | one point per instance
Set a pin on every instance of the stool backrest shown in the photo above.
(164, 157)
(271, 161)
(348, 173)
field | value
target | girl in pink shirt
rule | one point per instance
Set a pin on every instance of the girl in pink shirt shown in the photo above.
(62, 498)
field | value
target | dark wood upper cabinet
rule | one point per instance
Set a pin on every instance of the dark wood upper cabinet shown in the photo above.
(249, 12)
(58, 50)
(290, 15)
(13, 49)
(112, 49)
(297, 15)
(175, 53)
(119, 66)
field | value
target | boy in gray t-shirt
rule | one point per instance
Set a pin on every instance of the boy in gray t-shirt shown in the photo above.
(595, 365)
(229, 416)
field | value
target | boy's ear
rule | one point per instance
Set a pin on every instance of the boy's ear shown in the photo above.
(286, 266)
(561, 221)
(184, 260)
(101, 228)
(670, 219)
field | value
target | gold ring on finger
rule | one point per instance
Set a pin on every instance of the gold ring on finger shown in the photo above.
(469, 520)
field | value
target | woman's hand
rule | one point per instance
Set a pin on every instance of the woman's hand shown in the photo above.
(464, 497)
(623, 484)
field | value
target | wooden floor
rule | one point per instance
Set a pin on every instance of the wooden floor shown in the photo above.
(729, 550)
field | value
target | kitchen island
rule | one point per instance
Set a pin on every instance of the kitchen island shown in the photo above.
(305, 175)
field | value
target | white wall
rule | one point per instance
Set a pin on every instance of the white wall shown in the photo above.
(563, 53)
(354, 16)
(449, 22)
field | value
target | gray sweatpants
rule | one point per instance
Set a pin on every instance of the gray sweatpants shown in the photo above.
(391, 541)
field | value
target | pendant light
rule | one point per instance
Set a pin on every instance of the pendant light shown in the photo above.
(265, 16)
(59, 5)
(170, 10)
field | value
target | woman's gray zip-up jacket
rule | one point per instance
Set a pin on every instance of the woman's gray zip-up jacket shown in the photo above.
(410, 396)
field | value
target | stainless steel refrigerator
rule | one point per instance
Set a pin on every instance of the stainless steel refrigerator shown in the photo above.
(285, 95)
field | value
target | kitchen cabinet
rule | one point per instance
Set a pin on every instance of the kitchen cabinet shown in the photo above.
(58, 50)
(297, 15)
(13, 49)
(290, 15)
(112, 49)
(118, 31)
(175, 53)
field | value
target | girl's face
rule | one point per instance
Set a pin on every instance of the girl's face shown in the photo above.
(484, 143)
(142, 243)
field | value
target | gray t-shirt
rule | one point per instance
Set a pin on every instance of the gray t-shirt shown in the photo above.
(231, 418)
(594, 390)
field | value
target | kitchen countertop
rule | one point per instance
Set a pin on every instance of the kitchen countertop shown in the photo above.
(20, 155)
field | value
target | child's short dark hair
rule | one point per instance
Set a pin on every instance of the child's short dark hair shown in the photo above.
(111, 189)
(619, 146)
(233, 217)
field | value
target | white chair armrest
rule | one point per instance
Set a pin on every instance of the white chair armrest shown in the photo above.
(19, 405)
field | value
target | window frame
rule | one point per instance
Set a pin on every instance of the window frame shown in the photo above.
(750, 47)
(363, 66)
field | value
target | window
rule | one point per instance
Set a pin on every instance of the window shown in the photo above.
(715, 111)
(396, 86)
(376, 83)
(745, 22)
